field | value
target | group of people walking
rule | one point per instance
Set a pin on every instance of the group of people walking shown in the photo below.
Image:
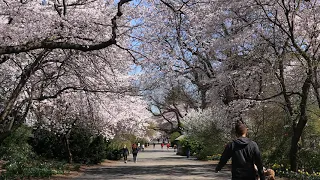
(168, 145)
(134, 150)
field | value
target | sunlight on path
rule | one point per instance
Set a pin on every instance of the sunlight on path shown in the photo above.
(157, 164)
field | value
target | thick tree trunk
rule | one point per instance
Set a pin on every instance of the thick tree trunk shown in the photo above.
(297, 132)
(315, 85)
(68, 149)
(293, 153)
(298, 127)
(67, 142)
(203, 98)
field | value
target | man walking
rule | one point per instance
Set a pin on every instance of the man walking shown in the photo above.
(245, 154)
(125, 153)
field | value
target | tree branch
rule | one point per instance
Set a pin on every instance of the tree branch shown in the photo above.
(49, 44)
(42, 97)
(271, 97)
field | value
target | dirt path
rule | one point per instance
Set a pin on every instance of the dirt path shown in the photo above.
(156, 164)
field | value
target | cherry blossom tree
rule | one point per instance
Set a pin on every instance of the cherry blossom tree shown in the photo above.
(246, 51)
(233, 55)
(292, 41)
(63, 53)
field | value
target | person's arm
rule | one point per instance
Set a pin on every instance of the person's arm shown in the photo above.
(258, 161)
(226, 155)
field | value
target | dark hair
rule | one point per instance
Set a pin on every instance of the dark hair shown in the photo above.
(240, 128)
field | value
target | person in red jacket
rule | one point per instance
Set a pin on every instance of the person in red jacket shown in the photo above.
(245, 154)
(168, 146)
(162, 145)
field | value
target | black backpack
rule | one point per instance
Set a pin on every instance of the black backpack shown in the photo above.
(135, 151)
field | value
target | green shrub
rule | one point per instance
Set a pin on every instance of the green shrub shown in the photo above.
(174, 136)
(202, 155)
(205, 134)
(278, 154)
(114, 146)
(96, 151)
(84, 146)
(113, 149)
(141, 141)
(21, 161)
(216, 157)
(47, 144)
(34, 168)
(16, 151)
(80, 145)
(309, 160)
(283, 171)
(204, 144)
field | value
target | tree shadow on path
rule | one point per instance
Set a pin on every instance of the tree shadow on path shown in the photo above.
(156, 172)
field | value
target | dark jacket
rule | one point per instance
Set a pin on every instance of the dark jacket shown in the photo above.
(244, 153)
(135, 151)
(125, 151)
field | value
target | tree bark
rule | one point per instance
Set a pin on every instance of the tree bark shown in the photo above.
(298, 128)
(315, 85)
(67, 143)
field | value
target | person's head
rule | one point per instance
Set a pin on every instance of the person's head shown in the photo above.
(241, 129)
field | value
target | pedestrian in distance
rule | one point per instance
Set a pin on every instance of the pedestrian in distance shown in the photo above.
(168, 146)
(125, 153)
(188, 151)
(244, 153)
(154, 145)
(162, 145)
(135, 151)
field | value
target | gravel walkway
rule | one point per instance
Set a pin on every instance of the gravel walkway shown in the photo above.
(156, 164)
